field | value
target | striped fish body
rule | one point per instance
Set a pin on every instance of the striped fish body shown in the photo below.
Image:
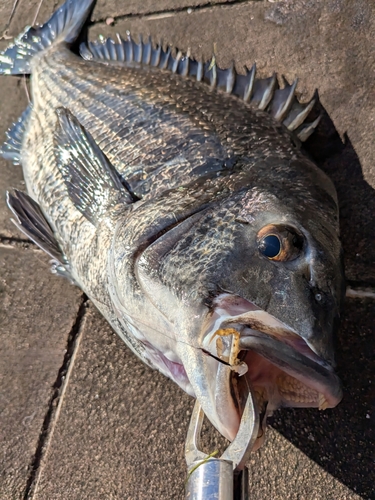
(159, 130)
(176, 204)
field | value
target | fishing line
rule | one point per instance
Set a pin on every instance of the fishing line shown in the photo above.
(24, 81)
(154, 329)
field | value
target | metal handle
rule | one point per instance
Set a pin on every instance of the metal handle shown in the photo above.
(211, 480)
(216, 480)
(224, 478)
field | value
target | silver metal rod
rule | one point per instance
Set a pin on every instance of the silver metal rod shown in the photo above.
(224, 478)
(210, 480)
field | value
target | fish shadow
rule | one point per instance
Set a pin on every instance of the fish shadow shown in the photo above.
(342, 440)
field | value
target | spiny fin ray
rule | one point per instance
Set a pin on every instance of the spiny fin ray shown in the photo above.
(298, 114)
(11, 149)
(264, 90)
(282, 101)
(264, 93)
(304, 132)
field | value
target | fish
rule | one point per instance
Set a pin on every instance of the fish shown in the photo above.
(178, 196)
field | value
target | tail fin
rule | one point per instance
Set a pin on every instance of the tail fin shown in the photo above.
(64, 26)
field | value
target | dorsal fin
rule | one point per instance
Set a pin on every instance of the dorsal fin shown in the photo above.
(263, 93)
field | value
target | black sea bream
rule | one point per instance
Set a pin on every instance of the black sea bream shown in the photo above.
(177, 197)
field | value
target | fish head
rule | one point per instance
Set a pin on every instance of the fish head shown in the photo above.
(251, 286)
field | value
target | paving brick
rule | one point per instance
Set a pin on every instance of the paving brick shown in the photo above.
(5, 15)
(115, 8)
(29, 10)
(37, 311)
(122, 427)
(342, 440)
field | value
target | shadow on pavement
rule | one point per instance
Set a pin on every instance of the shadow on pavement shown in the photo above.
(356, 198)
(342, 440)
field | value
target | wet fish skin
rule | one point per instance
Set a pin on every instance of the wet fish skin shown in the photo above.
(151, 124)
(210, 172)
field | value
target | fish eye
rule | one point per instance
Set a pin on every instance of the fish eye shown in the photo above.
(280, 243)
(270, 246)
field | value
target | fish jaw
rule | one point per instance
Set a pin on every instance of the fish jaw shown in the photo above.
(211, 382)
(281, 369)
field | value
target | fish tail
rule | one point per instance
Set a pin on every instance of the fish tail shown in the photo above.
(64, 25)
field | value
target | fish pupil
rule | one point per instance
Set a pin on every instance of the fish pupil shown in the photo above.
(270, 246)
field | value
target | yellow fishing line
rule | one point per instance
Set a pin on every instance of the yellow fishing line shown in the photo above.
(211, 455)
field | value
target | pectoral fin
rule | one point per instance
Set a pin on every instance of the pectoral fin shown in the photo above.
(93, 184)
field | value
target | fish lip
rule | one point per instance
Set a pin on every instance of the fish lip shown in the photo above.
(314, 373)
(279, 345)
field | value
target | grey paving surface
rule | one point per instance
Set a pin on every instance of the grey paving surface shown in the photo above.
(5, 13)
(29, 11)
(122, 428)
(121, 432)
(161, 9)
(33, 344)
(342, 440)
(114, 429)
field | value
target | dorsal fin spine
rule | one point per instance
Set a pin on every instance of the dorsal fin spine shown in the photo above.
(147, 52)
(176, 61)
(166, 55)
(283, 100)
(282, 104)
(200, 71)
(184, 63)
(139, 51)
(155, 56)
(121, 52)
(213, 76)
(298, 114)
(129, 52)
(250, 85)
(231, 78)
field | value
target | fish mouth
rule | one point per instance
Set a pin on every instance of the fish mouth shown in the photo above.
(255, 351)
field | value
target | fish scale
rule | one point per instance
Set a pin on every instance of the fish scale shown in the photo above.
(101, 119)
(178, 197)
(108, 113)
